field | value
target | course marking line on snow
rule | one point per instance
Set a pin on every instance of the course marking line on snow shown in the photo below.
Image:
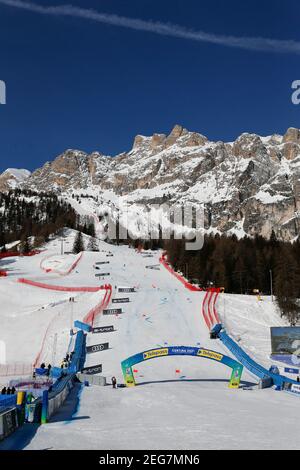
(57, 271)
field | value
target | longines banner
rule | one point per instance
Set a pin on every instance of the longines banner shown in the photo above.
(103, 329)
(112, 311)
(120, 301)
(126, 289)
(97, 348)
(92, 370)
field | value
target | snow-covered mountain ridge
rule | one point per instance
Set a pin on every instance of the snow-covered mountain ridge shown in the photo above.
(12, 178)
(249, 186)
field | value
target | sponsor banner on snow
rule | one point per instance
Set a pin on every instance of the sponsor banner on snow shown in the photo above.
(210, 354)
(296, 388)
(155, 353)
(103, 329)
(102, 274)
(102, 262)
(126, 289)
(112, 311)
(92, 370)
(182, 350)
(97, 348)
(121, 300)
(291, 370)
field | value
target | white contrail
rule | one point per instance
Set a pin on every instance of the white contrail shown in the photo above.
(166, 29)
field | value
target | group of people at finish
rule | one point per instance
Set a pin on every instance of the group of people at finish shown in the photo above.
(8, 391)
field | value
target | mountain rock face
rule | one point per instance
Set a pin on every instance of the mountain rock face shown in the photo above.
(249, 186)
(12, 178)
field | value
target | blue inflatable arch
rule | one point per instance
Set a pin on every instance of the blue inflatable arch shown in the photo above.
(128, 363)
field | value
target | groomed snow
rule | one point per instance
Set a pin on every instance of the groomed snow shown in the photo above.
(189, 409)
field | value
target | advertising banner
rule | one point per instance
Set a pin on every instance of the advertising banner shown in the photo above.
(97, 348)
(92, 370)
(285, 340)
(102, 262)
(112, 311)
(120, 301)
(126, 289)
(295, 388)
(102, 274)
(291, 370)
(103, 329)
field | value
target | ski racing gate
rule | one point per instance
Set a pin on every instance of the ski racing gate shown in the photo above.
(128, 363)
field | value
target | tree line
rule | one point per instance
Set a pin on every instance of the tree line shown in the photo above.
(26, 213)
(243, 267)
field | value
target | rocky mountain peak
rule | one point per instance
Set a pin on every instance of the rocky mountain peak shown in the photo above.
(292, 135)
(250, 186)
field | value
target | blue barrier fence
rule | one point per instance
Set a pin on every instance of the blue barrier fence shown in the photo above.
(253, 367)
(79, 354)
(7, 401)
(64, 382)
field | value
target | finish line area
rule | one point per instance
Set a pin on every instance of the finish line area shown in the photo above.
(128, 363)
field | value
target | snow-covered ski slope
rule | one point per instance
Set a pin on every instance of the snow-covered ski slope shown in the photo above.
(181, 402)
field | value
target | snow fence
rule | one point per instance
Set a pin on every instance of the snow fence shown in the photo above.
(178, 276)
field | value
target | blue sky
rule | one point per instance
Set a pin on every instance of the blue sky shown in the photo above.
(73, 82)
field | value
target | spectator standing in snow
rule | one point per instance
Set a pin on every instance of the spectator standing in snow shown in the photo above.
(114, 382)
(3, 391)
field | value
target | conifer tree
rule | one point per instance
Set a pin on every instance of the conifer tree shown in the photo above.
(78, 243)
